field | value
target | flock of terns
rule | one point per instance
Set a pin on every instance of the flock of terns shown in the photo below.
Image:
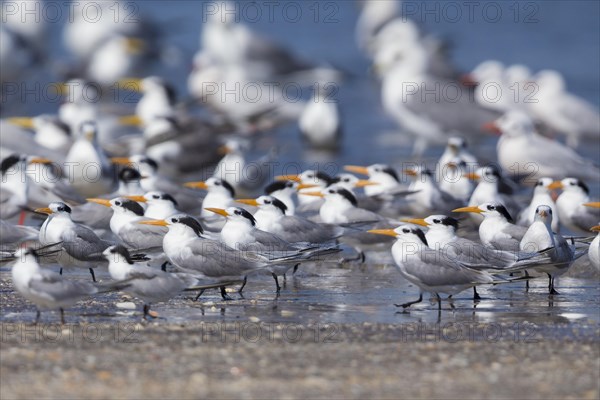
(117, 192)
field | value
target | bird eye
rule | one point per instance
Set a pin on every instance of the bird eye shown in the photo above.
(490, 208)
(218, 183)
(331, 191)
(174, 220)
(155, 196)
(237, 212)
(405, 230)
(436, 221)
(267, 201)
(346, 179)
(118, 203)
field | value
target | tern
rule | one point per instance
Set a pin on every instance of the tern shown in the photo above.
(385, 177)
(80, 244)
(90, 171)
(47, 289)
(309, 179)
(241, 233)
(541, 196)
(159, 205)
(525, 152)
(149, 284)
(220, 194)
(572, 212)
(125, 224)
(456, 149)
(271, 217)
(540, 238)
(320, 121)
(427, 196)
(16, 185)
(431, 270)
(488, 190)
(284, 191)
(594, 251)
(50, 131)
(191, 252)
(497, 229)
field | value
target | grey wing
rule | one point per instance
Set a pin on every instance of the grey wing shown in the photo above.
(143, 236)
(62, 291)
(271, 242)
(10, 233)
(463, 115)
(361, 215)
(439, 270)
(506, 244)
(295, 229)
(587, 219)
(216, 260)
(84, 245)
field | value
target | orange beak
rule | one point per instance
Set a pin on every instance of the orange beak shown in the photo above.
(492, 128)
(131, 120)
(555, 185)
(250, 202)
(410, 172)
(468, 80)
(473, 176)
(139, 199)
(223, 150)
(357, 169)
(45, 210)
(419, 221)
(315, 194)
(121, 161)
(295, 178)
(157, 222)
(364, 182)
(103, 202)
(196, 185)
(468, 209)
(305, 186)
(595, 204)
(385, 232)
(219, 211)
(595, 228)
(23, 122)
(39, 160)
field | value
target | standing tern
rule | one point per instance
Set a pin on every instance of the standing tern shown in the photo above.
(47, 289)
(271, 217)
(594, 251)
(149, 284)
(80, 244)
(191, 252)
(284, 191)
(541, 196)
(540, 238)
(497, 229)
(159, 205)
(384, 176)
(426, 196)
(320, 121)
(430, 270)
(241, 233)
(125, 224)
(572, 212)
(220, 194)
(308, 179)
(523, 151)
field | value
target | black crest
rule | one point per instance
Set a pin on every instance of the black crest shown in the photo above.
(192, 223)
(349, 196)
(122, 251)
(390, 171)
(9, 162)
(132, 206)
(278, 185)
(421, 235)
(129, 174)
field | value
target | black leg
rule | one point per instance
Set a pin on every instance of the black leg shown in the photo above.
(361, 255)
(200, 293)
(62, 316)
(410, 303)
(476, 295)
(439, 299)
(551, 285)
(243, 286)
(93, 275)
(276, 282)
(146, 311)
(284, 279)
(60, 271)
(224, 294)
(37, 316)
(163, 267)
(295, 269)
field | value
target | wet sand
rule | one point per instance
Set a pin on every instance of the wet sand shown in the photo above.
(332, 333)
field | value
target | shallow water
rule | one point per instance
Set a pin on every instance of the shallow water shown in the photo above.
(564, 37)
